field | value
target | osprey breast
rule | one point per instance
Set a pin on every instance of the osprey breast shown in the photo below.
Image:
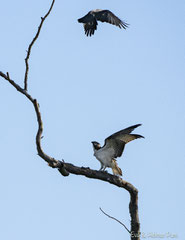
(104, 156)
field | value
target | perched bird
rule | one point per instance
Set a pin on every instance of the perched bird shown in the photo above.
(113, 148)
(90, 20)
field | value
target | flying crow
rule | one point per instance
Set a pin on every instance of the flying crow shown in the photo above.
(90, 20)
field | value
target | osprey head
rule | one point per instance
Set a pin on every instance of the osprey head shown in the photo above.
(96, 145)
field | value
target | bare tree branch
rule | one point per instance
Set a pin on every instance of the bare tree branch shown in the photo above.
(19, 89)
(32, 43)
(51, 161)
(115, 220)
(66, 168)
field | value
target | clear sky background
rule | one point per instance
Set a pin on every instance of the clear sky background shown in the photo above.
(89, 88)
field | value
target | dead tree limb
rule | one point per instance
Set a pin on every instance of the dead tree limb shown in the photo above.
(31, 45)
(66, 168)
(115, 220)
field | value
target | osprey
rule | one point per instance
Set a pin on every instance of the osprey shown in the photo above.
(113, 148)
(90, 20)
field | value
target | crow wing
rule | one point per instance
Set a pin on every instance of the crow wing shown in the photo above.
(90, 23)
(90, 27)
(109, 17)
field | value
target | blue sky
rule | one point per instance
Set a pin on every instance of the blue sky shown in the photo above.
(89, 88)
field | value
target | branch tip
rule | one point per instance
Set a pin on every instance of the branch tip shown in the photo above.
(8, 76)
(115, 220)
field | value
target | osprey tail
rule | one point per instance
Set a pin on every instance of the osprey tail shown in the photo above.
(116, 170)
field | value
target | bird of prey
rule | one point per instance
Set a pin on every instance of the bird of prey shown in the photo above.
(91, 18)
(113, 148)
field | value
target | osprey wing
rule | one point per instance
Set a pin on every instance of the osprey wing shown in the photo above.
(115, 143)
(124, 135)
(114, 146)
(109, 17)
